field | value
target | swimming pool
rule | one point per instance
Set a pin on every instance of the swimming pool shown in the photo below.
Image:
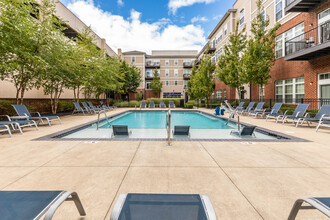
(152, 126)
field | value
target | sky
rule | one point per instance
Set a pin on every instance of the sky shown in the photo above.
(146, 25)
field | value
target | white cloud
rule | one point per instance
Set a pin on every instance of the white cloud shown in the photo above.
(217, 17)
(133, 34)
(198, 19)
(120, 3)
(174, 5)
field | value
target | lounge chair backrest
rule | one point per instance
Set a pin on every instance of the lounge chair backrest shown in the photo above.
(300, 110)
(77, 106)
(162, 104)
(251, 104)
(260, 105)
(22, 110)
(152, 104)
(325, 109)
(143, 104)
(171, 103)
(90, 104)
(240, 105)
(101, 102)
(276, 108)
(181, 130)
(85, 105)
(248, 130)
(120, 129)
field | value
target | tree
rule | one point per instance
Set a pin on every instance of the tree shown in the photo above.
(259, 55)
(132, 77)
(230, 64)
(155, 84)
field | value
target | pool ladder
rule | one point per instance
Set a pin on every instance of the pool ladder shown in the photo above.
(98, 118)
(232, 113)
(168, 123)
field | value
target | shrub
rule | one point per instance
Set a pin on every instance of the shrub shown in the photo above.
(6, 107)
(65, 106)
(189, 105)
(134, 103)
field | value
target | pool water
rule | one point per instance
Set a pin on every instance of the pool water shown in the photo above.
(153, 125)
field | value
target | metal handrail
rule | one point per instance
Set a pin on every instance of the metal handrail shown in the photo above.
(232, 113)
(98, 118)
(168, 123)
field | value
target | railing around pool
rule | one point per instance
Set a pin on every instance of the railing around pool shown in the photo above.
(168, 123)
(232, 113)
(98, 118)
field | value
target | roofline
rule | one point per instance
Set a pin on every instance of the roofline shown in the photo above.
(171, 56)
(134, 52)
(221, 21)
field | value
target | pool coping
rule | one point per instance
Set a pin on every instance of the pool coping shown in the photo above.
(57, 135)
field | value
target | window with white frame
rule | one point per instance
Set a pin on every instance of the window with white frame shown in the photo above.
(148, 85)
(261, 92)
(133, 59)
(241, 18)
(176, 72)
(176, 62)
(166, 83)
(175, 83)
(290, 90)
(156, 62)
(167, 62)
(186, 71)
(224, 94)
(279, 46)
(225, 29)
(218, 53)
(263, 14)
(218, 94)
(167, 72)
(279, 9)
(149, 73)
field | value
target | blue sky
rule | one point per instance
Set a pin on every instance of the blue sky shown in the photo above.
(151, 24)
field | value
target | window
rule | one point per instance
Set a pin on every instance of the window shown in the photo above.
(175, 83)
(263, 14)
(261, 92)
(186, 71)
(175, 62)
(176, 73)
(224, 94)
(279, 8)
(219, 94)
(218, 53)
(148, 85)
(167, 73)
(219, 37)
(166, 83)
(149, 73)
(241, 18)
(225, 29)
(290, 90)
(156, 62)
(279, 46)
(167, 62)
(133, 59)
(324, 76)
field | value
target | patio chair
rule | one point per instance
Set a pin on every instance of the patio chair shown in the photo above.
(258, 109)
(171, 104)
(4, 128)
(96, 109)
(276, 108)
(143, 104)
(18, 124)
(162, 105)
(77, 108)
(121, 130)
(103, 105)
(152, 104)
(35, 204)
(181, 130)
(245, 131)
(23, 111)
(298, 113)
(320, 203)
(324, 111)
(324, 122)
(239, 107)
(247, 109)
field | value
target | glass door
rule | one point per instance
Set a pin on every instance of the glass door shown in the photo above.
(325, 94)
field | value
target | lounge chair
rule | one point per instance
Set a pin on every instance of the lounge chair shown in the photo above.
(276, 108)
(239, 107)
(298, 113)
(320, 203)
(87, 108)
(143, 104)
(96, 109)
(324, 111)
(324, 122)
(18, 124)
(5, 128)
(77, 108)
(245, 131)
(103, 105)
(35, 204)
(151, 104)
(181, 130)
(258, 109)
(121, 130)
(23, 111)
(171, 104)
(162, 105)
(247, 109)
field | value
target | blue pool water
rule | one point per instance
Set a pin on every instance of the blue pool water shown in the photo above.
(157, 119)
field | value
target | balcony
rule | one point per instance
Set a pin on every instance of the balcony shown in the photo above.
(152, 65)
(211, 47)
(301, 5)
(188, 64)
(312, 44)
(186, 76)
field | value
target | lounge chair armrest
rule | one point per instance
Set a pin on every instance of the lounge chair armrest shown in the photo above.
(297, 114)
(7, 116)
(325, 117)
(307, 115)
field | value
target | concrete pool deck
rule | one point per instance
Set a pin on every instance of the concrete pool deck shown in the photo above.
(244, 180)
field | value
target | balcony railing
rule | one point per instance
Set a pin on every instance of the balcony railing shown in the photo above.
(188, 64)
(311, 44)
(152, 65)
(186, 75)
(301, 5)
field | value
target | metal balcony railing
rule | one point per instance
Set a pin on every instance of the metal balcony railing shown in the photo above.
(316, 36)
(187, 64)
(288, 2)
(154, 65)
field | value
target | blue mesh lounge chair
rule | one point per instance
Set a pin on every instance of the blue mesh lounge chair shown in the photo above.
(320, 203)
(245, 131)
(181, 130)
(240, 106)
(277, 117)
(258, 109)
(162, 105)
(22, 111)
(324, 111)
(121, 130)
(276, 108)
(151, 104)
(88, 109)
(324, 122)
(298, 113)
(77, 108)
(171, 104)
(96, 109)
(103, 105)
(4, 128)
(18, 124)
(143, 104)
(247, 109)
(35, 204)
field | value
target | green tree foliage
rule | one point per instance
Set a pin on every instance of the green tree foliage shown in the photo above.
(155, 84)
(259, 55)
(131, 75)
(230, 64)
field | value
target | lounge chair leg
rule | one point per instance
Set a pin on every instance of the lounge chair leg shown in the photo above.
(59, 120)
(19, 128)
(295, 209)
(49, 122)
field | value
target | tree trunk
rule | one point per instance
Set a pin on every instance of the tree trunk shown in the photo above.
(22, 93)
(78, 92)
(17, 95)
